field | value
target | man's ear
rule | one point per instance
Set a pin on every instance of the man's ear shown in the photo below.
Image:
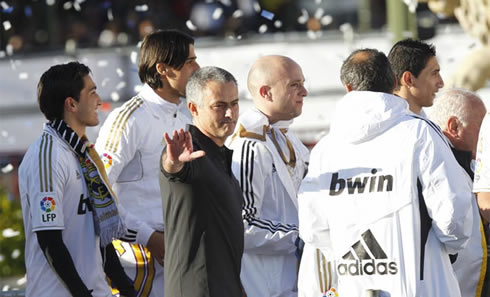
(406, 79)
(453, 126)
(70, 104)
(265, 92)
(192, 108)
(161, 68)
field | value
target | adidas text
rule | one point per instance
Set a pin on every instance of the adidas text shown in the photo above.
(367, 267)
(376, 183)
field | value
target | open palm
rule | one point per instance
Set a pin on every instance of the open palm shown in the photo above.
(179, 147)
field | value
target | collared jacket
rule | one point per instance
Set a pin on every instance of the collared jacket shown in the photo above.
(385, 202)
(270, 214)
(130, 143)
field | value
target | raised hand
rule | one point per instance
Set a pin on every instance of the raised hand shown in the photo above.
(179, 151)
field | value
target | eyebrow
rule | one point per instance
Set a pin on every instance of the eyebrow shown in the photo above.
(191, 58)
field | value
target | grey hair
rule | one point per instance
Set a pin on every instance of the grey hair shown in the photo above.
(197, 83)
(454, 102)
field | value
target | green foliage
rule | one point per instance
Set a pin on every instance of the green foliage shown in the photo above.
(11, 247)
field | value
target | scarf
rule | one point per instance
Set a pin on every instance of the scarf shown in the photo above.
(107, 223)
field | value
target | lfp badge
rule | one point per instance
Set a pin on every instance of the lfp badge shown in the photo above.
(48, 206)
(107, 160)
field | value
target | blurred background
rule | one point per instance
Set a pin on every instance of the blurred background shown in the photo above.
(105, 35)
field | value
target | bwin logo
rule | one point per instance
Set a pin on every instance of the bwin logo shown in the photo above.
(366, 258)
(376, 183)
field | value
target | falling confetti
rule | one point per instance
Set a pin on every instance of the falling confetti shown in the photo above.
(311, 34)
(67, 5)
(278, 24)
(7, 25)
(326, 20)
(237, 14)
(115, 96)
(257, 7)
(50, 2)
(102, 63)
(121, 85)
(303, 18)
(133, 57)
(15, 254)
(70, 46)
(225, 2)
(6, 8)
(9, 49)
(217, 13)
(120, 72)
(7, 169)
(4, 133)
(141, 8)
(319, 13)
(76, 5)
(138, 88)
(21, 281)
(267, 14)
(23, 75)
(9, 232)
(263, 28)
(104, 82)
(190, 25)
(110, 16)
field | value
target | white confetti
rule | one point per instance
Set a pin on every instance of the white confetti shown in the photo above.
(15, 254)
(263, 28)
(110, 16)
(9, 232)
(7, 25)
(50, 2)
(278, 24)
(190, 25)
(23, 75)
(21, 281)
(9, 49)
(303, 18)
(143, 7)
(4, 133)
(326, 20)
(225, 2)
(115, 96)
(102, 63)
(133, 57)
(121, 85)
(1, 260)
(70, 46)
(311, 34)
(76, 5)
(217, 13)
(319, 13)
(122, 38)
(237, 14)
(105, 81)
(5, 170)
(4, 5)
(139, 44)
(239, 37)
(257, 7)
(6, 287)
(2, 54)
(138, 88)
(67, 5)
(318, 1)
(120, 72)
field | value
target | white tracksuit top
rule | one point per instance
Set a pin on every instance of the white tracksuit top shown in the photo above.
(270, 212)
(385, 201)
(130, 144)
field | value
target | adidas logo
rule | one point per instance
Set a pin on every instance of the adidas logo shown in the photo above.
(366, 257)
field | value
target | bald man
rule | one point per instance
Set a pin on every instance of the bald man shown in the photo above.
(269, 162)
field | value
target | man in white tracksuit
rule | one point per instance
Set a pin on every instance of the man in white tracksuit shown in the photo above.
(459, 113)
(384, 201)
(130, 144)
(269, 162)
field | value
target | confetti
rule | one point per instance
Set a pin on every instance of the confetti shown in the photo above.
(138, 88)
(267, 14)
(21, 281)
(217, 13)
(4, 133)
(303, 18)
(7, 25)
(120, 72)
(76, 5)
(311, 34)
(263, 28)
(102, 63)
(225, 2)
(67, 5)
(326, 20)
(15, 254)
(257, 7)
(105, 81)
(121, 85)
(278, 24)
(319, 13)
(23, 75)
(50, 2)
(6, 8)
(133, 57)
(237, 14)
(115, 96)
(9, 232)
(190, 25)
(70, 46)
(139, 44)
(6, 287)
(141, 8)
(110, 16)
(9, 49)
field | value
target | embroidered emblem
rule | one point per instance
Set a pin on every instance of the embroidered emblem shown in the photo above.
(107, 160)
(48, 204)
(331, 293)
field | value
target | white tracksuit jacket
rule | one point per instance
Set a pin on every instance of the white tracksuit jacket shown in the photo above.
(130, 143)
(385, 201)
(270, 214)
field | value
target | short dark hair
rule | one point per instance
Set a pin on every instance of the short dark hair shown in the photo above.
(410, 55)
(368, 70)
(56, 84)
(170, 47)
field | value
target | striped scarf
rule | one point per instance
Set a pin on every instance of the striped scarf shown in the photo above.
(107, 223)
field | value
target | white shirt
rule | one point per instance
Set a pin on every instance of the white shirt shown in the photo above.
(54, 196)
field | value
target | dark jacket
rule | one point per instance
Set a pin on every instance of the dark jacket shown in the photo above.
(203, 224)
